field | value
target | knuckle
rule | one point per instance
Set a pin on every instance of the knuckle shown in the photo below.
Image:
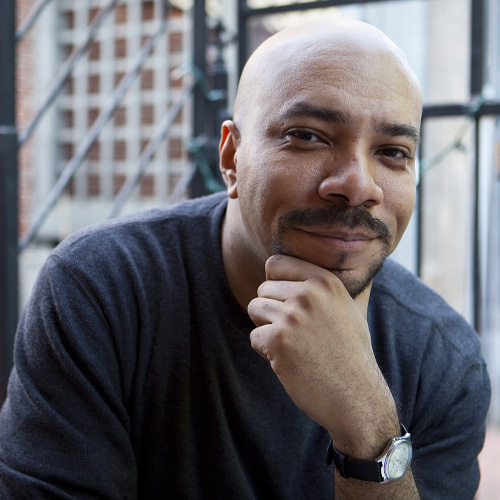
(303, 299)
(293, 317)
(327, 281)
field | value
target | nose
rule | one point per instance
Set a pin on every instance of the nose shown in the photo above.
(351, 178)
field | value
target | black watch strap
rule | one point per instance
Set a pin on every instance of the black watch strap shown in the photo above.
(371, 470)
(351, 467)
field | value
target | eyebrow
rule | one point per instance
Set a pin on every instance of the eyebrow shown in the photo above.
(327, 115)
(308, 110)
(409, 131)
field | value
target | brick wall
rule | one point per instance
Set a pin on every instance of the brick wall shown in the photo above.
(115, 154)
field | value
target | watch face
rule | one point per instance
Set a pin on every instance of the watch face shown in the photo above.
(398, 459)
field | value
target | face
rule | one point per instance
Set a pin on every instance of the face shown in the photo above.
(325, 165)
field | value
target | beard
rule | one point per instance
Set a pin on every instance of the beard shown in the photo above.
(350, 218)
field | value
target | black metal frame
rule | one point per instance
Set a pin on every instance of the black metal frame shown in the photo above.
(8, 193)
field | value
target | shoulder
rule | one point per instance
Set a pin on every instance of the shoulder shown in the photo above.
(151, 229)
(140, 251)
(406, 306)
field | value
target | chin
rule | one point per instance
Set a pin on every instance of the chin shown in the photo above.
(354, 284)
(356, 279)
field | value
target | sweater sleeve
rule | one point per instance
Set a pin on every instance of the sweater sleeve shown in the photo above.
(64, 428)
(450, 430)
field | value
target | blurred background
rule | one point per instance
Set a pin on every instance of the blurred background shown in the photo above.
(113, 106)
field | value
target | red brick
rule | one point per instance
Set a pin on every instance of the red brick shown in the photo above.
(148, 11)
(93, 184)
(94, 152)
(120, 48)
(120, 116)
(92, 114)
(94, 51)
(118, 181)
(175, 40)
(120, 150)
(147, 185)
(147, 114)
(121, 14)
(175, 148)
(147, 79)
(94, 84)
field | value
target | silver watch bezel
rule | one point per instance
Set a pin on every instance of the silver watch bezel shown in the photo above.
(389, 453)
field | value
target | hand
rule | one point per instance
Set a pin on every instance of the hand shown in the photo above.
(317, 340)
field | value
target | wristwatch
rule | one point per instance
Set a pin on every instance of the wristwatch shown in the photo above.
(389, 466)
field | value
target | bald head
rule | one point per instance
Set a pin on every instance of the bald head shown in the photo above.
(292, 58)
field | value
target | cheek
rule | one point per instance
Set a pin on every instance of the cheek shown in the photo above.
(402, 204)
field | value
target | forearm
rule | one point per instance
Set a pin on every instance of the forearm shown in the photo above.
(373, 426)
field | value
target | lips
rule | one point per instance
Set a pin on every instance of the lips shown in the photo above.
(341, 235)
(345, 241)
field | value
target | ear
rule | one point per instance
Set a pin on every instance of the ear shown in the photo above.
(228, 146)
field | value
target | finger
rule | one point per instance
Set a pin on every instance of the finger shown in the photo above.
(277, 290)
(260, 339)
(287, 268)
(263, 311)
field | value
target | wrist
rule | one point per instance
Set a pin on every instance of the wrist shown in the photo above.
(390, 465)
(367, 439)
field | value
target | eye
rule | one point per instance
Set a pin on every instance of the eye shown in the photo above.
(395, 153)
(304, 135)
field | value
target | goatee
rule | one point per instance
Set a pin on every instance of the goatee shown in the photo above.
(335, 216)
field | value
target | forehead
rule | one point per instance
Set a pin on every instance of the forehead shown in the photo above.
(361, 74)
(345, 92)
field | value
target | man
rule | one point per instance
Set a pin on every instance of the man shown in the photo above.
(136, 373)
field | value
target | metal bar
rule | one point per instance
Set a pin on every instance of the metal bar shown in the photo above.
(65, 70)
(476, 250)
(248, 12)
(242, 35)
(90, 137)
(420, 202)
(30, 19)
(477, 53)
(200, 111)
(8, 194)
(477, 74)
(150, 150)
(449, 110)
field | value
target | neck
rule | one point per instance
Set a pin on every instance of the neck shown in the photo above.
(244, 271)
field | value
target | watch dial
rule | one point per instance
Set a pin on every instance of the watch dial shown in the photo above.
(398, 460)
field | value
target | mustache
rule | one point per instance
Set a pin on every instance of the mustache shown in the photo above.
(333, 215)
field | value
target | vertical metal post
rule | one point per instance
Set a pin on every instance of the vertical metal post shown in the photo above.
(8, 193)
(476, 251)
(242, 34)
(420, 203)
(197, 187)
(477, 68)
(477, 53)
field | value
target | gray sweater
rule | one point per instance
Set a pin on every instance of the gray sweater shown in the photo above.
(134, 377)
